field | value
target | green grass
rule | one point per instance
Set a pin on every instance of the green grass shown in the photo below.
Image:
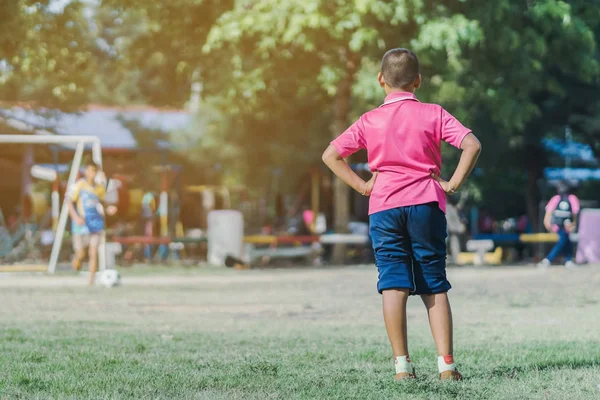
(314, 334)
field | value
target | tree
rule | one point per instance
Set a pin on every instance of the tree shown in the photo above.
(316, 48)
(158, 45)
(45, 54)
(535, 71)
(281, 74)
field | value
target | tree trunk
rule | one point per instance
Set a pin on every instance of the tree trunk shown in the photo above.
(341, 192)
(532, 195)
(532, 199)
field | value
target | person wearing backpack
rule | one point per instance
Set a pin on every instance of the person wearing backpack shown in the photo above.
(561, 218)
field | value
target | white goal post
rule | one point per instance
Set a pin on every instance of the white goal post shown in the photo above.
(79, 142)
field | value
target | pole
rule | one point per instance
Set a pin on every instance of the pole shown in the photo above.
(97, 153)
(568, 141)
(64, 213)
(163, 208)
(55, 203)
(97, 157)
(50, 139)
(315, 197)
(55, 197)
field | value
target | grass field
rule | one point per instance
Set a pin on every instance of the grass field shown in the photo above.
(294, 334)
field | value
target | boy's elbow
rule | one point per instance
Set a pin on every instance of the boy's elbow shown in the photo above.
(330, 154)
(472, 144)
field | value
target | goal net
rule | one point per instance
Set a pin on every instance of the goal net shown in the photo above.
(20, 243)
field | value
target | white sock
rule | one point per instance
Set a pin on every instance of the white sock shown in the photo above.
(446, 364)
(404, 365)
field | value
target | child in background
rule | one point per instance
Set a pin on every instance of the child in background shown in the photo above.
(84, 200)
(408, 201)
(561, 218)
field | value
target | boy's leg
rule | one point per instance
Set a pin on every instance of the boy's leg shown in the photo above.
(394, 315)
(79, 250)
(427, 229)
(568, 248)
(93, 251)
(440, 320)
(391, 247)
(563, 242)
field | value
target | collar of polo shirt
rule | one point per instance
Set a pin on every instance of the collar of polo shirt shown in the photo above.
(399, 96)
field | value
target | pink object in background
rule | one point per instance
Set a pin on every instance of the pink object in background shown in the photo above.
(588, 248)
(308, 217)
(149, 228)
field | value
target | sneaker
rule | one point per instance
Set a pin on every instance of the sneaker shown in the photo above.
(545, 263)
(570, 265)
(451, 376)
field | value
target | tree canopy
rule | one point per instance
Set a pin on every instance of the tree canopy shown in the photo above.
(278, 79)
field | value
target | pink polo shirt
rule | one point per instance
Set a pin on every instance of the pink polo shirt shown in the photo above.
(403, 140)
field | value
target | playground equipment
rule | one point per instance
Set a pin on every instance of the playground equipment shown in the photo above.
(148, 209)
(80, 142)
(539, 238)
(479, 253)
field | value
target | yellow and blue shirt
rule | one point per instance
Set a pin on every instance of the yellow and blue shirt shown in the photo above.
(87, 199)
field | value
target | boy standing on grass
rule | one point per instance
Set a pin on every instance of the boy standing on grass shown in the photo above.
(408, 200)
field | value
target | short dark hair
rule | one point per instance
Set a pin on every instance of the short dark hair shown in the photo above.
(400, 68)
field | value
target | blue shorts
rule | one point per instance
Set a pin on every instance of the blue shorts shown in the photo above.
(410, 249)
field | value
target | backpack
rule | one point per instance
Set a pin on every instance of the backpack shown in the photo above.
(563, 211)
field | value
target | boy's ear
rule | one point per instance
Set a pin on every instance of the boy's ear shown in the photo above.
(381, 80)
(417, 83)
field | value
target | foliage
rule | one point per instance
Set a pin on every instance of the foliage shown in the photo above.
(158, 45)
(536, 72)
(282, 76)
(46, 55)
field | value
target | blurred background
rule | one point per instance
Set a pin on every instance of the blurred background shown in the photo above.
(229, 105)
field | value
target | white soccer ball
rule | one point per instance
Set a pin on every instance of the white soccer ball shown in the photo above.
(110, 278)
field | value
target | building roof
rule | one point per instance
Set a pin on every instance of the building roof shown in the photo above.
(114, 126)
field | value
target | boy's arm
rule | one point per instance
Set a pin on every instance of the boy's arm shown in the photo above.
(471, 148)
(73, 213)
(101, 192)
(548, 220)
(335, 162)
(572, 227)
(71, 198)
(576, 207)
